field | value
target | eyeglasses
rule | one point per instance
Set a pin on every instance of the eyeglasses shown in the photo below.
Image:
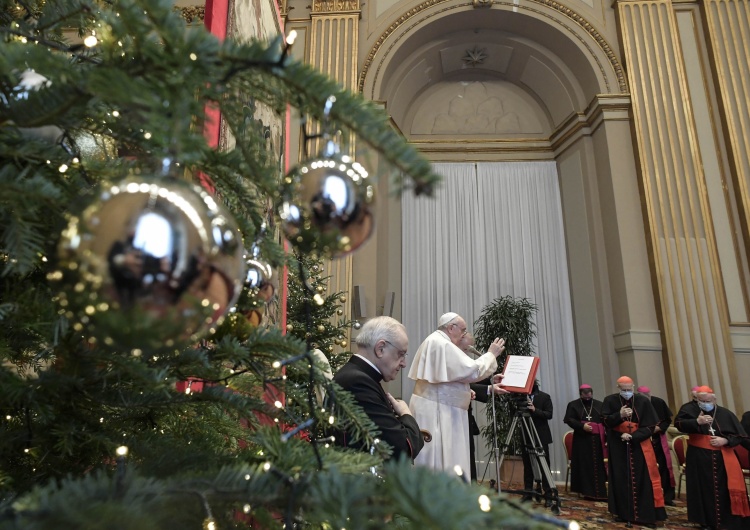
(401, 353)
(464, 331)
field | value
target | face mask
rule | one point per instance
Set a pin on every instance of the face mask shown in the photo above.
(626, 394)
(706, 407)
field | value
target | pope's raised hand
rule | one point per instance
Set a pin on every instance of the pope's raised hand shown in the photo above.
(497, 346)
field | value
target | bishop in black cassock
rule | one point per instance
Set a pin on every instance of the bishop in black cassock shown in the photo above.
(588, 475)
(635, 493)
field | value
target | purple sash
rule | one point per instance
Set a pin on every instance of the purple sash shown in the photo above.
(667, 456)
(598, 428)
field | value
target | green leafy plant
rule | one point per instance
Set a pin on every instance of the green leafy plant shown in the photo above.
(513, 320)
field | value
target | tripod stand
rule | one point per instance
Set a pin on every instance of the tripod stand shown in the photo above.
(533, 447)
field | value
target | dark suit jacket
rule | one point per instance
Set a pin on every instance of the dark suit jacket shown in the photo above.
(400, 432)
(480, 389)
(541, 416)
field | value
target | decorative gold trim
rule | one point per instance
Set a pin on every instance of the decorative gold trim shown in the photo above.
(566, 11)
(192, 14)
(541, 140)
(335, 6)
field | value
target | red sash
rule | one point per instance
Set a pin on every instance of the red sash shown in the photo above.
(648, 454)
(735, 480)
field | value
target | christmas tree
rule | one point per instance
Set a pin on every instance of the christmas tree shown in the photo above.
(137, 388)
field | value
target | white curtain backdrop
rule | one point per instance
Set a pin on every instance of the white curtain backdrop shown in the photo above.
(493, 229)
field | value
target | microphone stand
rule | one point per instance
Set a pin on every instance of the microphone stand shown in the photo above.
(495, 448)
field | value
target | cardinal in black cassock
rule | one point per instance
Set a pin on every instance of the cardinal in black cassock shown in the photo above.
(635, 493)
(716, 491)
(588, 474)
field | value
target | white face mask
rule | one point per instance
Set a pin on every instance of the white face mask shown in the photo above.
(626, 394)
(706, 407)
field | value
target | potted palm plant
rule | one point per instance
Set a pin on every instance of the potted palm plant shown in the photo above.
(513, 320)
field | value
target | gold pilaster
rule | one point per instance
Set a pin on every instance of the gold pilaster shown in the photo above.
(334, 34)
(728, 31)
(685, 264)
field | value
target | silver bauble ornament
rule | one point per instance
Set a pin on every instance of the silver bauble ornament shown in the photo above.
(326, 206)
(150, 264)
(257, 271)
(356, 325)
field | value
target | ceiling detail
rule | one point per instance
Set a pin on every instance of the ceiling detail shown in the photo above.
(578, 22)
(475, 56)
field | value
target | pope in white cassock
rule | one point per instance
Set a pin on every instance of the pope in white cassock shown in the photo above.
(441, 396)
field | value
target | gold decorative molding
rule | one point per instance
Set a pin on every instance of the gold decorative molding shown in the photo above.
(566, 11)
(335, 6)
(192, 14)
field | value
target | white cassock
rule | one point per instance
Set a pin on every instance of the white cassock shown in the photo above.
(441, 398)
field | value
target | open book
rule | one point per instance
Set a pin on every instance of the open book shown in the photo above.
(520, 372)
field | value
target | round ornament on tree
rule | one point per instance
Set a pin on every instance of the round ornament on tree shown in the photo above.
(326, 206)
(150, 264)
(258, 271)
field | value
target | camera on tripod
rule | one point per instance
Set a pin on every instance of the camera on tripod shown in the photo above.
(520, 401)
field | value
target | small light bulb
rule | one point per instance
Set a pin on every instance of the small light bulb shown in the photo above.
(90, 41)
(331, 420)
(278, 404)
(193, 57)
(574, 525)
(266, 466)
(122, 450)
(291, 37)
(458, 471)
(276, 364)
(484, 503)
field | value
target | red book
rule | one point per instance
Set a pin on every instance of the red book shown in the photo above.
(519, 373)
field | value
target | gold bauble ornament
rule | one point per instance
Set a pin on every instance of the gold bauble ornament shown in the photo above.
(327, 206)
(258, 271)
(321, 328)
(156, 260)
(289, 327)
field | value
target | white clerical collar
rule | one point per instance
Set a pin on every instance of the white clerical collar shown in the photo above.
(444, 335)
(368, 361)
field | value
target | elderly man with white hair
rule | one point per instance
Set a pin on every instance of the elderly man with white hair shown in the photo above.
(716, 491)
(442, 395)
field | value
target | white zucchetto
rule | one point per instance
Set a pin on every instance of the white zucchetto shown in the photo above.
(447, 317)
